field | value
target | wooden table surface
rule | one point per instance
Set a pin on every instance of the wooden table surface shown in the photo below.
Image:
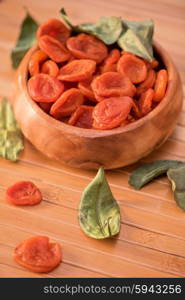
(152, 238)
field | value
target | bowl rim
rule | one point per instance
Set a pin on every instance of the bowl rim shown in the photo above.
(94, 133)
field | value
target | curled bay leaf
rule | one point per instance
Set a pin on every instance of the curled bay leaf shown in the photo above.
(137, 38)
(107, 29)
(149, 171)
(177, 178)
(11, 138)
(99, 213)
(25, 41)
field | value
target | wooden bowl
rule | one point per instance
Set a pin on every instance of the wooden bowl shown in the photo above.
(89, 148)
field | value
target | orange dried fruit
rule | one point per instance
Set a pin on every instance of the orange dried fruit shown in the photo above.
(37, 254)
(145, 101)
(154, 64)
(54, 28)
(160, 85)
(111, 84)
(108, 68)
(85, 87)
(87, 46)
(82, 117)
(134, 67)
(23, 193)
(111, 112)
(77, 70)
(50, 67)
(53, 48)
(135, 111)
(44, 88)
(34, 63)
(69, 101)
(148, 83)
(113, 57)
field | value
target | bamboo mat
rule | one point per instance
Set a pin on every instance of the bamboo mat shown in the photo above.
(152, 238)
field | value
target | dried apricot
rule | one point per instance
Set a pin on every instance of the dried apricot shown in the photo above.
(160, 85)
(77, 70)
(82, 117)
(154, 64)
(108, 68)
(23, 193)
(111, 84)
(148, 83)
(50, 67)
(54, 28)
(44, 88)
(113, 57)
(35, 60)
(87, 46)
(145, 101)
(134, 67)
(69, 101)
(53, 48)
(111, 112)
(135, 110)
(37, 254)
(85, 87)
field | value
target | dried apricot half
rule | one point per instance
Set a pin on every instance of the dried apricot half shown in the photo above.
(113, 57)
(23, 193)
(111, 112)
(77, 70)
(87, 46)
(145, 101)
(85, 87)
(44, 88)
(53, 48)
(35, 60)
(147, 83)
(54, 28)
(82, 117)
(69, 101)
(50, 67)
(37, 254)
(111, 84)
(134, 67)
(160, 85)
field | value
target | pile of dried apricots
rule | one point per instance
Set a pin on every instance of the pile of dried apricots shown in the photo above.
(80, 81)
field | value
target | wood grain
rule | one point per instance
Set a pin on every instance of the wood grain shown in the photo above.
(152, 241)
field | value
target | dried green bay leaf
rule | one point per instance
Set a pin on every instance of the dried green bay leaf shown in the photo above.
(177, 178)
(137, 38)
(149, 171)
(107, 30)
(26, 40)
(99, 213)
(11, 138)
(134, 37)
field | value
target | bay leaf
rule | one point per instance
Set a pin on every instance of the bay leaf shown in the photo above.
(11, 138)
(177, 179)
(107, 29)
(137, 38)
(149, 171)
(66, 18)
(26, 39)
(99, 214)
